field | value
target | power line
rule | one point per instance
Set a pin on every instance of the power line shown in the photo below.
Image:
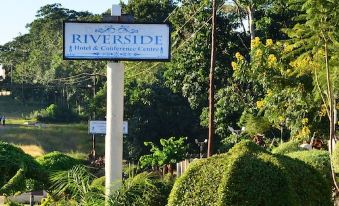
(80, 81)
(177, 49)
(172, 12)
(69, 77)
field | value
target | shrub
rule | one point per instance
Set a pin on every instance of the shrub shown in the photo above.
(318, 159)
(72, 187)
(249, 175)
(228, 142)
(335, 158)
(57, 161)
(287, 147)
(16, 166)
(145, 189)
(76, 186)
(200, 181)
(98, 184)
(54, 113)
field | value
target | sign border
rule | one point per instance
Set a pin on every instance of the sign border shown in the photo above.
(114, 59)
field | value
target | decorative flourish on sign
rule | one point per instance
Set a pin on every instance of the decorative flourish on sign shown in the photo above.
(115, 29)
(120, 54)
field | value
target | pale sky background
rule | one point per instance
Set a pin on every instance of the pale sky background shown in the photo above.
(15, 14)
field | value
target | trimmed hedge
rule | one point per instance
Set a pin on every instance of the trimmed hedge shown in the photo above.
(318, 159)
(287, 147)
(15, 164)
(199, 182)
(249, 175)
(57, 161)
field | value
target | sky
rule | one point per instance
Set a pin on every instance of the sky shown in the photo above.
(15, 14)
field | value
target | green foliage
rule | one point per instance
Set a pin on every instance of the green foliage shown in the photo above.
(149, 11)
(318, 159)
(249, 175)
(173, 150)
(335, 158)
(98, 184)
(254, 124)
(287, 147)
(153, 111)
(16, 166)
(15, 184)
(49, 201)
(54, 113)
(72, 187)
(199, 179)
(228, 142)
(10, 203)
(74, 182)
(36, 60)
(56, 161)
(78, 187)
(145, 189)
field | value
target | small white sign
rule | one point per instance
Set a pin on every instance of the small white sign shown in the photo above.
(116, 41)
(99, 127)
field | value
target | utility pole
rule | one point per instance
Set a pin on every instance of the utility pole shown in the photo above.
(211, 85)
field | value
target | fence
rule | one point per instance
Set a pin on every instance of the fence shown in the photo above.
(183, 165)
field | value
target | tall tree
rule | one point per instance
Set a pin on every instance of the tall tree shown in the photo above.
(317, 38)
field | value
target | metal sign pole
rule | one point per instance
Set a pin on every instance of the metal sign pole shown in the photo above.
(93, 146)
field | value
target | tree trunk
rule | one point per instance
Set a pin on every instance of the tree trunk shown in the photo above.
(331, 107)
(170, 169)
(164, 170)
(211, 126)
(330, 97)
(250, 11)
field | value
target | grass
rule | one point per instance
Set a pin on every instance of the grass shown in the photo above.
(68, 138)
(33, 150)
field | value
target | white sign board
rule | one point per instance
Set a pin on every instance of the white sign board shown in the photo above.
(99, 127)
(116, 41)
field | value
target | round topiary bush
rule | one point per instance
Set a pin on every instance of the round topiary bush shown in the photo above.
(57, 161)
(287, 147)
(249, 175)
(15, 167)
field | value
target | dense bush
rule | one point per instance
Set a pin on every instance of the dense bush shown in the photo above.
(318, 159)
(145, 189)
(98, 184)
(287, 147)
(15, 167)
(77, 186)
(57, 161)
(201, 180)
(55, 114)
(335, 158)
(249, 175)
